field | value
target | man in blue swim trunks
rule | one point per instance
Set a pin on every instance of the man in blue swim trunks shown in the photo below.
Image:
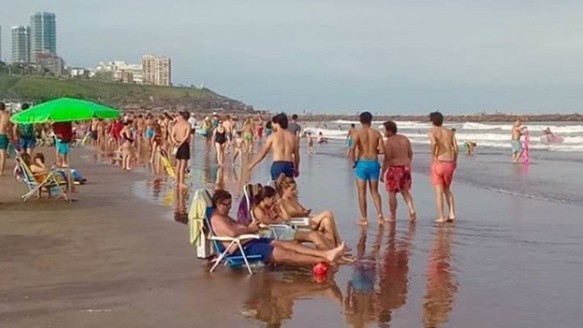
(271, 251)
(285, 150)
(368, 143)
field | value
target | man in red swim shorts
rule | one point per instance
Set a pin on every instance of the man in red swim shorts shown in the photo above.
(444, 151)
(397, 169)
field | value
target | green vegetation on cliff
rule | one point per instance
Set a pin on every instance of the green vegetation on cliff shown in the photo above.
(40, 89)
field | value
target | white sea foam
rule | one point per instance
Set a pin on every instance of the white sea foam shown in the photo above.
(485, 135)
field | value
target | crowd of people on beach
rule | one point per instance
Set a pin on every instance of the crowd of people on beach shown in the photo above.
(166, 139)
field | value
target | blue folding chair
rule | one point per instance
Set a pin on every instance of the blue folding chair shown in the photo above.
(230, 260)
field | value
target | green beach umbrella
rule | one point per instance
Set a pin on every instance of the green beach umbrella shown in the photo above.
(64, 110)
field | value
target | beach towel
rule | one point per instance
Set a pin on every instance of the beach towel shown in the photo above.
(197, 213)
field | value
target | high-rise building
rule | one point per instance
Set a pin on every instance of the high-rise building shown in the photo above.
(43, 37)
(157, 70)
(20, 44)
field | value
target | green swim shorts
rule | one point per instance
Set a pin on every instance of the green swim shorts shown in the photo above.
(516, 146)
(3, 142)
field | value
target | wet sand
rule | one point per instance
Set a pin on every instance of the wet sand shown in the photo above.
(119, 260)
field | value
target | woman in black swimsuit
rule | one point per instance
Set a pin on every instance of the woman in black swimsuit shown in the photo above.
(127, 145)
(220, 138)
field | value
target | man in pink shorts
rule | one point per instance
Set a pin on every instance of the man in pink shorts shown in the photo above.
(397, 169)
(444, 153)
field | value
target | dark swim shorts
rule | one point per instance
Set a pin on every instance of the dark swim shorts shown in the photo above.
(280, 167)
(261, 247)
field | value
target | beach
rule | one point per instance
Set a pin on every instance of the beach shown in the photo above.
(116, 257)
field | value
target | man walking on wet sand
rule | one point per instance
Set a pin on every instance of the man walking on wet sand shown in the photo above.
(369, 143)
(285, 150)
(4, 135)
(396, 173)
(444, 153)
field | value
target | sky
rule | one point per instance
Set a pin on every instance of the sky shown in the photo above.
(339, 56)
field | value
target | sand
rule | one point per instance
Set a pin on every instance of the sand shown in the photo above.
(115, 259)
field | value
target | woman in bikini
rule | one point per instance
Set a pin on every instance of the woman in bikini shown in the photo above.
(290, 208)
(264, 212)
(127, 145)
(220, 138)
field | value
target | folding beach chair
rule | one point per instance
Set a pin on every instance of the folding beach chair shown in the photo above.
(49, 182)
(207, 232)
(245, 214)
(81, 142)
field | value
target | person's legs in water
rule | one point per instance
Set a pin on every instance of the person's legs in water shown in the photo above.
(450, 202)
(220, 153)
(314, 237)
(409, 201)
(439, 193)
(292, 253)
(361, 188)
(393, 206)
(376, 198)
(325, 223)
(3, 147)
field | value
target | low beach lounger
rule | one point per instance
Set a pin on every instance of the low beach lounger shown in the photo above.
(205, 229)
(277, 231)
(35, 186)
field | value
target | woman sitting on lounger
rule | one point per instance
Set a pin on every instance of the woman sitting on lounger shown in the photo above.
(290, 207)
(264, 212)
(38, 170)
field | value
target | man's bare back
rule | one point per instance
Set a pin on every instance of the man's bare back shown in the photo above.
(398, 151)
(368, 143)
(4, 122)
(445, 146)
(283, 145)
(181, 132)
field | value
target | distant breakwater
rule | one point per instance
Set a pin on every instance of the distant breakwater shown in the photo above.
(455, 118)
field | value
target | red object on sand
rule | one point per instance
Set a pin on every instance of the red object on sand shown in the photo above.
(320, 269)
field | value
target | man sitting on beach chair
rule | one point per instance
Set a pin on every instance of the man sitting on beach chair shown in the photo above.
(271, 251)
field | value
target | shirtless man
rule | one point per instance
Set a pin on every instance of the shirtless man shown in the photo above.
(140, 128)
(285, 150)
(180, 137)
(229, 126)
(294, 127)
(397, 169)
(5, 135)
(444, 152)
(369, 143)
(350, 136)
(271, 251)
(517, 150)
(93, 132)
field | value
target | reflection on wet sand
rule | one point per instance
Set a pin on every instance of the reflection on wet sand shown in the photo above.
(272, 301)
(360, 306)
(394, 275)
(441, 282)
(372, 298)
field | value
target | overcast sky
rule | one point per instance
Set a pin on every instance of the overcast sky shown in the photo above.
(339, 56)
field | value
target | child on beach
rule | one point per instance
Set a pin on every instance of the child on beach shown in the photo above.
(238, 145)
(310, 143)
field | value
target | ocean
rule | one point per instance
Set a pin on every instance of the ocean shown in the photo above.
(492, 136)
